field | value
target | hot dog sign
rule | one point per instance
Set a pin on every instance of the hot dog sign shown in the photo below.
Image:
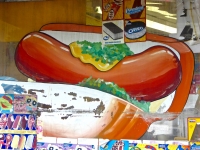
(114, 86)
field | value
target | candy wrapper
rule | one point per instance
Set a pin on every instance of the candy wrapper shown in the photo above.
(112, 9)
(134, 9)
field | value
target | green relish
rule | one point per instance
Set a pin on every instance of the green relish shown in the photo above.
(107, 53)
(114, 89)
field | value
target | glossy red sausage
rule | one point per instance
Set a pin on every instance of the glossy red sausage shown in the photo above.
(150, 75)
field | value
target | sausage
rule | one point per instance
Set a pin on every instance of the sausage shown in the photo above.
(150, 75)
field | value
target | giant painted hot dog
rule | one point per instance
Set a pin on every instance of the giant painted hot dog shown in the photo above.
(150, 75)
(120, 127)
